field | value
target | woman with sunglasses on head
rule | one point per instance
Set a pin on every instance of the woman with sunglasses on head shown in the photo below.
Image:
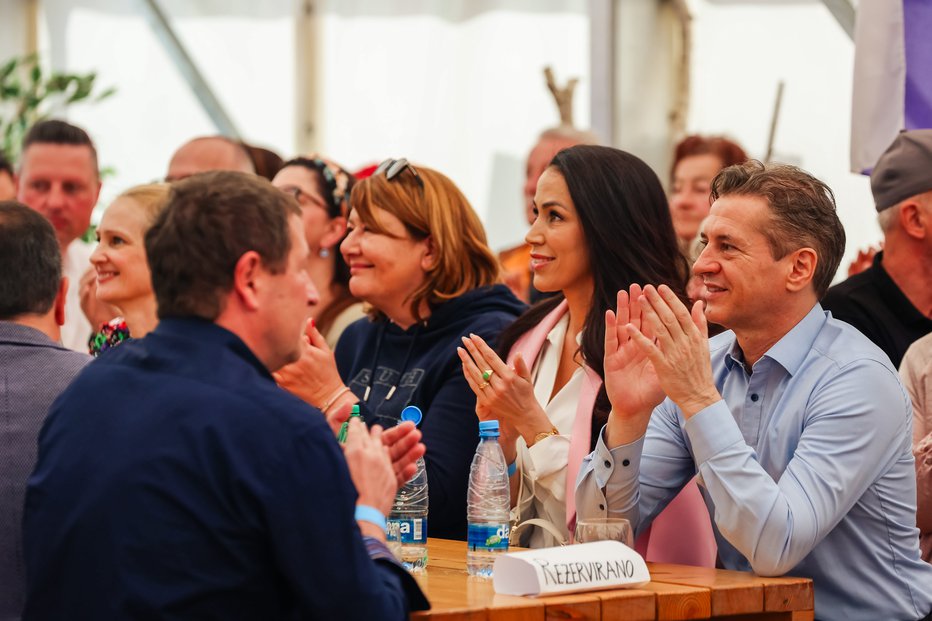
(602, 223)
(322, 190)
(418, 257)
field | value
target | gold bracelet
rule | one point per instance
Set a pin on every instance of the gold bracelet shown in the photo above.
(544, 434)
(332, 399)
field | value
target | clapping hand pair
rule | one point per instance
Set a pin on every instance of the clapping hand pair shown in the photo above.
(655, 347)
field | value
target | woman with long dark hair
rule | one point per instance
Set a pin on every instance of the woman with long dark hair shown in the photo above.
(602, 224)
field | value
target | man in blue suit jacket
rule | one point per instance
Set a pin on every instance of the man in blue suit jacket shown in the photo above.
(176, 480)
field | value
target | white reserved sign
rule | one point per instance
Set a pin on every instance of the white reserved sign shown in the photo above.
(581, 567)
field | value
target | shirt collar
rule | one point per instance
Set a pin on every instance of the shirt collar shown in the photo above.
(14, 333)
(198, 330)
(558, 332)
(790, 351)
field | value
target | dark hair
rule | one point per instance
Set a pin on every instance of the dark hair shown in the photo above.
(31, 260)
(211, 220)
(629, 236)
(724, 149)
(334, 184)
(54, 131)
(802, 209)
(5, 166)
(266, 162)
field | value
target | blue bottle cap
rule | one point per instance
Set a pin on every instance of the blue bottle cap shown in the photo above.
(488, 427)
(413, 414)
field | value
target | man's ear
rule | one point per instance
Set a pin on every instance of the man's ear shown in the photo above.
(246, 274)
(429, 259)
(914, 219)
(802, 266)
(58, 306)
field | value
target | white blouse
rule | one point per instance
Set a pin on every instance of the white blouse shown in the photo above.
(542, 468)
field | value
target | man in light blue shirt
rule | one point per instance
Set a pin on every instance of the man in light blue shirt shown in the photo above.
(796, 423)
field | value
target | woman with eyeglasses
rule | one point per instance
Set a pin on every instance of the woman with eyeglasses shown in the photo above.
(322, 190)
(602, 223)
(418, 257)
(121, 266)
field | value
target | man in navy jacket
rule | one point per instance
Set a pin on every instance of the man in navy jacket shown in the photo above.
(176, 480)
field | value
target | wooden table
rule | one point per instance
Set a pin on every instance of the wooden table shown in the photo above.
(675, 592)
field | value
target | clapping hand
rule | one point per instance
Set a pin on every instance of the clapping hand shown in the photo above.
(675, 341)
(502, 392)
(631, 381)
(370, 467)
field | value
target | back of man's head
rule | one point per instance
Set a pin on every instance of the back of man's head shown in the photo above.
(210, 221)
(209, 153)
(55, 131)
(802, 209)
(30, 276)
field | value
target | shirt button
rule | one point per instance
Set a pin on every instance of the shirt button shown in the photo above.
(754, 397)
(601, 507)
(625, 462)
(608, 464)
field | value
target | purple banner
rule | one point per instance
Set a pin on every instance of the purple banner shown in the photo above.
(917, 26)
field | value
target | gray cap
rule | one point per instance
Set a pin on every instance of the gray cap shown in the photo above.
(904, 169)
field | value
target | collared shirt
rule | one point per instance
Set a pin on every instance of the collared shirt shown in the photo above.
(34, 370)
(806, 465)
(873, 303)
(76, 260)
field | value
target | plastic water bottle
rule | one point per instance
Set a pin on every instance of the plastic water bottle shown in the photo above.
(407, 522)
(488, 504)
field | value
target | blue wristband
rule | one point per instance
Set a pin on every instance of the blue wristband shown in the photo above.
(366, 513)
(512, 468)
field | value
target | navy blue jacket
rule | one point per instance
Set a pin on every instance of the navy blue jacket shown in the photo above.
(176, 481)
(422, 365)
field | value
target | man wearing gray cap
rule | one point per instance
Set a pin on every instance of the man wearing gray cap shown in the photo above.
(891, 302)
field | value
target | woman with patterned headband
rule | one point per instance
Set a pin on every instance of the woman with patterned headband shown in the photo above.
(322, 190)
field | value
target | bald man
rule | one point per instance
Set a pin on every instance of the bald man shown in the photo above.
(209, 153)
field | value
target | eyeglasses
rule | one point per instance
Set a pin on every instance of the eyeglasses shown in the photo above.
(393, 168)
(303, 197)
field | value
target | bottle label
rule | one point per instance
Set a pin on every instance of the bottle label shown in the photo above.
(413, 531)
(488, 537)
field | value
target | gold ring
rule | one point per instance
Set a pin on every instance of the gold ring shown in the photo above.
(487, 374)
(483, 385)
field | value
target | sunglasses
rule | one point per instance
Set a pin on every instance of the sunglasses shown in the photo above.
(393, 168)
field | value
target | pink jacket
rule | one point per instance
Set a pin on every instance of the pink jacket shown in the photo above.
(682, 532)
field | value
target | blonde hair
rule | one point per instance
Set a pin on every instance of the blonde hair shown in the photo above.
(436, 210)
(151, 197)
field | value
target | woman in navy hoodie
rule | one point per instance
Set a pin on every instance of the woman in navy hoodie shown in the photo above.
(418, 257)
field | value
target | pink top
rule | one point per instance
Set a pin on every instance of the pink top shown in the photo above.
(682, 533)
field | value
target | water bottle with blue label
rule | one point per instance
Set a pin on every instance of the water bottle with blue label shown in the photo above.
(488, 504)
(407, 522)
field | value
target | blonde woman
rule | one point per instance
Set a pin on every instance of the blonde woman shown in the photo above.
(123, 279)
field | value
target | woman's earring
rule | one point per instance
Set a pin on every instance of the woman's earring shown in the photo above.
(324, 253)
